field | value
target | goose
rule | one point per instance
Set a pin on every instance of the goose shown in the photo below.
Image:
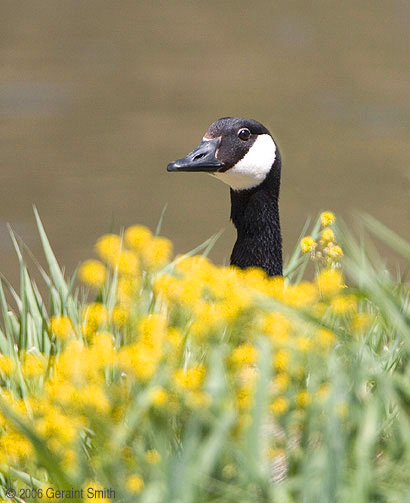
(243, 154)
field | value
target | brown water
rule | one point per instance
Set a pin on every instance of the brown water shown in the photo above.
(97, 97)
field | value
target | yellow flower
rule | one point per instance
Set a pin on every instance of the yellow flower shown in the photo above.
(174, 336)
(138, 237)
(255, 277)
(244, 397)
(279, 406)
(281, 382)
(307, 244)
(334, 252)
(303, 398)
(190, 291)
(127, 289)
(6, 365)
(277, 326)
(245, 354)
(127, 263)
(276, 287)
(326, 338)
(191, 378)
(119, 316)
(69, 459)
(329, 281)
(168, 286)
(303, 343)
(281, 360)
(186, 264)
(327, 218)
(152, 457)
(109, 247)
(93, 272)
(56, 424)
(153, 329)
(94, 316)
(95, 313)
(158, 253)
(61, 391)
(361, 322)
(208, 317)
(139, 360)
(328, 236)
(301, 295)
(33, 366)
(231, 307)
(61, 327)
(152, 333)
(70, 364)
(159, 397)
(342, 304)
(134, 484)
(13, 447)
(93, 396)
(223, 281)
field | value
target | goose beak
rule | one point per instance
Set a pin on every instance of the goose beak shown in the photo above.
(203, 158)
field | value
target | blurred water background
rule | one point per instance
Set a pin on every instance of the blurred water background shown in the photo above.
(96, 97)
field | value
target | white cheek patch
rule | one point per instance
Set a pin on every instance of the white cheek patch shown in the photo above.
(252, 169)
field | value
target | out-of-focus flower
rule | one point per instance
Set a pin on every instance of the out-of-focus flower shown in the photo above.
(327, 235)
(109, 247)
(138, 238)
(327, 218)
(134, 484)
(329, 281)
(93, 272)
(61, 327)
(307, 244)
(279, 406)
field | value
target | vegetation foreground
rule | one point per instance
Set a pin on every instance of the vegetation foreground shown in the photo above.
(188, 382)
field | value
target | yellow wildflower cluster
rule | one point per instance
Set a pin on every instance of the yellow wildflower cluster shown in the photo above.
(325, 251)
(148, 351)
(137, 250)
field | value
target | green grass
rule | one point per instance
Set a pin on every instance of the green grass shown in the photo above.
(352, 446)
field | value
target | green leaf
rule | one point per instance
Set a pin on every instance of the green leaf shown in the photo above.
(160, 221)
(56, 273)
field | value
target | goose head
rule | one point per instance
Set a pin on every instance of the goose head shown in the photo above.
(239, 152)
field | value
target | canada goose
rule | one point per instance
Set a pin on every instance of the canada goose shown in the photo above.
(243, 154)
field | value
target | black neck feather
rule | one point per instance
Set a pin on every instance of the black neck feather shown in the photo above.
(255, 214)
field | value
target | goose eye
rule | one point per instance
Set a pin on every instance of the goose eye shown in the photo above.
(244, 134)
